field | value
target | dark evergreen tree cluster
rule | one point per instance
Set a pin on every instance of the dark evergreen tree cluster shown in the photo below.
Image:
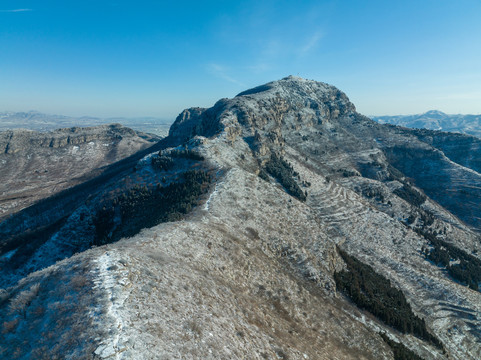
(162, 162)
(427, 217)
(374, 293)
(460, 265)
(399, 350)
(264, 175)
(284, 173)
(141, 207)
(412, 196)
(394, 174)
(186, 154)
(347, 172)
(373, 194)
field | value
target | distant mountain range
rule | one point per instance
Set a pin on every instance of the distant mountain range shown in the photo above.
(436, 120)
(278, 224)
(34, 120)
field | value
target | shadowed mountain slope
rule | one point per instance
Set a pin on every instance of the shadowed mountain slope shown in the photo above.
(277, 224)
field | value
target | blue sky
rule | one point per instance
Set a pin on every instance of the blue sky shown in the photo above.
(155, 58)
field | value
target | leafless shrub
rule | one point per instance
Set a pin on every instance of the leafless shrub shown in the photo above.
(157, 256)
(22, 301)
(61, 310)
(39, 310)
(195, 327)
(18, 352)
(9, 326)
(78, 282)
(281, 354)
(252, 233)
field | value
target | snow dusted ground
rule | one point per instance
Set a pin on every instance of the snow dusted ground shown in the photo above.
(187, 290)
(394, 250)
(111, 277)
(249, 273)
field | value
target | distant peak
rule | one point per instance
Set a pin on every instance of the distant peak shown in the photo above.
(434, 112)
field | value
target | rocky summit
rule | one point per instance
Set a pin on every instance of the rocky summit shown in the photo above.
(279, 224)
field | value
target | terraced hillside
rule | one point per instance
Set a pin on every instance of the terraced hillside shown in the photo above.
(248, 264)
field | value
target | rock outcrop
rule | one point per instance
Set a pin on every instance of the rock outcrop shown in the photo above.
(35, 165)
(296, 175)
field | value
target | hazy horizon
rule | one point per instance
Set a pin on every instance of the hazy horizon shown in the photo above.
(120, 59)
(166, 119)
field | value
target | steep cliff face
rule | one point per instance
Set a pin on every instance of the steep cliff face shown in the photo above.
(296, 177)
(27, 141)
(320, 122)
(35, 165)
(291, 103)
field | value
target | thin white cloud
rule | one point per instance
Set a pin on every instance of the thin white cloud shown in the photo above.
(16, 10)
(311, 43)
(221, 72)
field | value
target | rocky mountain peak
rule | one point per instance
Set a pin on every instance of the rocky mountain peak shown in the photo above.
(434, 114)
(307, 231)
(269, 110)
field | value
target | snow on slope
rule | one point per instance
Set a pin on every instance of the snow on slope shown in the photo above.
(249, 273)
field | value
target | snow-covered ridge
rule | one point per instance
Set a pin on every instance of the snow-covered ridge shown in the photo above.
(249, 272)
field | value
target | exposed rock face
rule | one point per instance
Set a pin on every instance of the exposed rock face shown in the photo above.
(35, 165)
(25, 141)
(249, 273)
(292, 103)
(186, 123)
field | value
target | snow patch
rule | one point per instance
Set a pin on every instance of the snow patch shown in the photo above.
(207, 203)
(111, 277)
